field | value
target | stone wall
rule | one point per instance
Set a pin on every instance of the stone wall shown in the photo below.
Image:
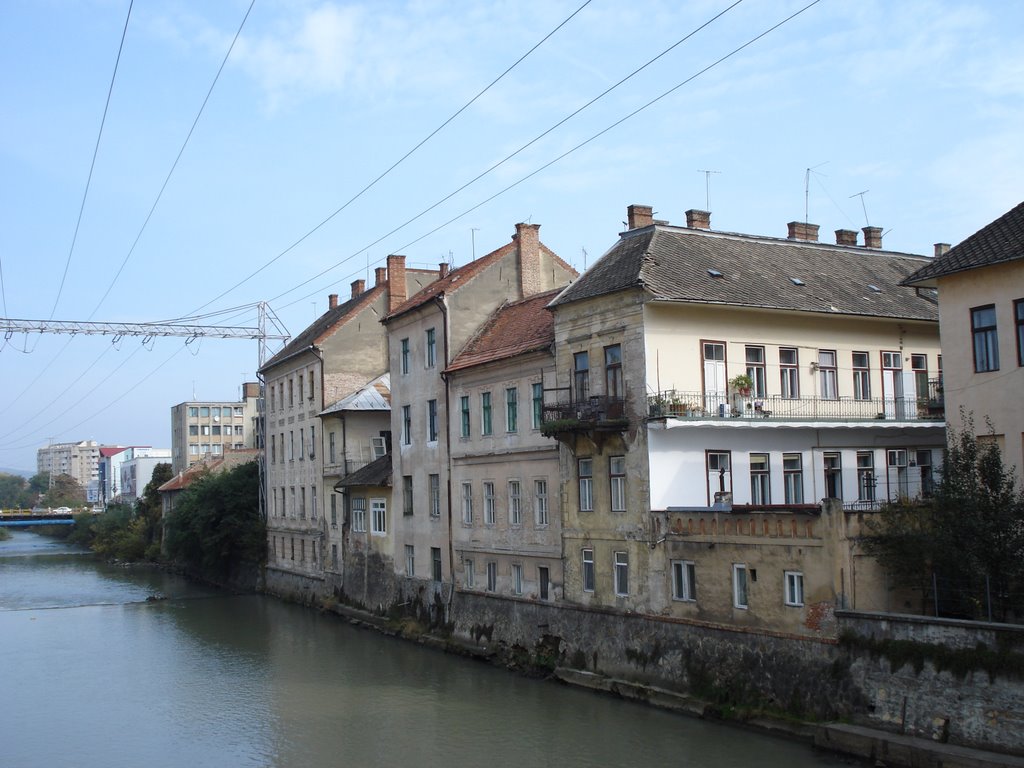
(296, 587)
(943, 679)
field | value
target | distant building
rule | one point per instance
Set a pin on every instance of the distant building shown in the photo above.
(981, 320)
(109, 481)
(137, 470)
(79, 461)
(208, 428)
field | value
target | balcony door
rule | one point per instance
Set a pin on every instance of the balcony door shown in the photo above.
(713, 354)
(899, 389)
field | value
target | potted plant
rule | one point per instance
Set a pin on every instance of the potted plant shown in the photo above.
(741, 384)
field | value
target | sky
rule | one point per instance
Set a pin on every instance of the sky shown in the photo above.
(226, 154)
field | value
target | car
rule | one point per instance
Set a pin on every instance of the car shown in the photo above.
(62, 511)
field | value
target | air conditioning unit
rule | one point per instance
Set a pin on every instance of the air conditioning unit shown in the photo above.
(897, 458)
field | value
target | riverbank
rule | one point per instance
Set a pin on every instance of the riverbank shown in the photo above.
(881, 748)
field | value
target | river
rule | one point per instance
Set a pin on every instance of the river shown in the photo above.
(94, 675)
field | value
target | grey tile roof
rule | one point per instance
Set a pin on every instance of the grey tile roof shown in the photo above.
(679, 264)
(998, 242)
(376, 474)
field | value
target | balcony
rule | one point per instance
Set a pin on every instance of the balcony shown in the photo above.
(596, 417)
(698, 406)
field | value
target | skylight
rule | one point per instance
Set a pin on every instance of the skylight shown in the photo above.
(714, 272)
(875, 288)
(796, 281)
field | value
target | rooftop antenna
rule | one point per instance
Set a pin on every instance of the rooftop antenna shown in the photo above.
(807, 189)
(584, 259)
(472, 235)
(707, 187)
(313, 303)
(863, 206)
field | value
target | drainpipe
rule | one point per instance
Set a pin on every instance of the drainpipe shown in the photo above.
(320, 476)
(442, 304)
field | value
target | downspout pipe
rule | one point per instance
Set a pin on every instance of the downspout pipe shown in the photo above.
(442, 304)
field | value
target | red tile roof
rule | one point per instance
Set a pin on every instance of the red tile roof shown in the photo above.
(214, 465)
(514, 329)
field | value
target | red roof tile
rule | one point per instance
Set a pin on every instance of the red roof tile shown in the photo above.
(514, 329)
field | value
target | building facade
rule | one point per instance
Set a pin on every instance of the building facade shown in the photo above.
(80, 461)
(200, 429)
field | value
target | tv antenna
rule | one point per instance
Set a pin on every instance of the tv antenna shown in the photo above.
(863, 206)
(807, 189)
(707, 187)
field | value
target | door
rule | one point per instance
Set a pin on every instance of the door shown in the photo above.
(892, 385)
(713, 353)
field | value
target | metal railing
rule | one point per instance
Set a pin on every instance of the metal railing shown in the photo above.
(592, 409)
(700, 406)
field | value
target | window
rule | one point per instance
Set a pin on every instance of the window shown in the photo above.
(404, 359)
(193, 430)
(613, 372)
(312, 388)
(406, 425)
(488, 503)
(585, 471)
(537, 393)
(1018, 312)
(587, 571)
(334, 511)
(379, 445)
(511, 409)
(410, 560)
(435, 563)
(435, 495)
(218, 449)
(206, 430)
(464, 409)
(515, 503)
(468, 569)
(827, 374)
(833, 476)
(204, 411)
(302, 503)
(467, 503)
(312, 442)
(540, 501)
(739, 585)
(216, 430)
(544, 582)
(407, 495)
(581, 375)
(789, 372)
(492, 576)
(431, 348)
(617, 481)
(986, 342)
(332, 448)
(432, 421)
(756, 371)
(760, 482)
(291, 391)
(302, 386)
(794, 588)
(517, 579)
(378, 517)
(861, 376)
(684, 580)
(239, 429)
(193, 450)
(719, 473)
(302, 444)
(924, 463)
(313, 502)
(485, 413)
(271, 399)
(919, 365)
(793, 477)
(334, 556)
(622, 573)
(865, 476)
(273, 450)
(193, 412)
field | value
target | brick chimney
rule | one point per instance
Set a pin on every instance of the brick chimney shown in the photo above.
(941, 249)
(380, 275)
(639, 216)
(250, 389)
(332, 300)
(442, 269)
(358, 286)
(872, 237)
(696, 219)
(801, 230)
(397, 289)
(527, 240)
(846, 237)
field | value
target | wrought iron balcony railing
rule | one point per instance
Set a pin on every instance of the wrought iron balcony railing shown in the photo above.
(593, 412)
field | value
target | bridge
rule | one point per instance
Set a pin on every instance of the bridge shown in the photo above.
(22, 517)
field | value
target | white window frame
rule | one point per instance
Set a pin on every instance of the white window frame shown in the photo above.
(740, 584)
(492, 576)
(515, 503)
(540, 502)
(794, 588)
(586, 483)
(588, 575)
(467, 503)
(621, 565)
(684, 581)
(435, 495)
(517, 579)
(468, 570)
(410, 560)
(617, 482)
(378, 517)
(489, 514)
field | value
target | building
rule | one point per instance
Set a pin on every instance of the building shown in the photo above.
(206, 428)
(981, 315)
(80, 461)
(425, 335)
(333, 358)
(136, 470)
(718, 373)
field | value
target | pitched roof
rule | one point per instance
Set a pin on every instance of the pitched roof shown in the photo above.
(513, 329)
(324, 325)
(377, 474)
(375, 396)
(111, 450)
(705, 266)
(210, 464)
(1000, 241)
(452, 281)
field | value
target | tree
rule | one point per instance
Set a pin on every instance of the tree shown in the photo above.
(13, 491)
(149, 510)
(964, 548)
(65, 491)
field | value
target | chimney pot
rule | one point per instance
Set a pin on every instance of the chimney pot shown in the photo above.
(398, 291)
(380, 275)
(941, 249)
(697, 219)
(358, 286)
(639, 216)
(872, 237)
(801, 230)
(442, 269)
(846, 237)
(332, 300)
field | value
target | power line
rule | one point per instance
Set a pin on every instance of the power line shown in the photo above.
(398, 162)
(513, 154)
